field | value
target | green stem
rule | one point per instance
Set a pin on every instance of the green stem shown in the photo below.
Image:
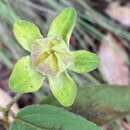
(7, 110)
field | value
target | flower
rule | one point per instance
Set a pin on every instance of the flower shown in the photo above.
(50, 58)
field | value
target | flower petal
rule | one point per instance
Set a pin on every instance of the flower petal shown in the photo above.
(63, 24)
(26, 33)
(84, 61)
(63, 88)
(24, 78)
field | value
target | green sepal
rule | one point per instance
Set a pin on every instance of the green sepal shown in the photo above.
(24, 78)
(84, 61)
(63, 88)
(26, 33)
(62, 26)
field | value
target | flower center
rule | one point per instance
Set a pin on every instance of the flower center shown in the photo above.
(46, 55)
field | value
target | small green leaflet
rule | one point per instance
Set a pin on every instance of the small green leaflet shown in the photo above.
(84, 61)
(26, 33)
(63, 88)
(24, 78)
(63, 25)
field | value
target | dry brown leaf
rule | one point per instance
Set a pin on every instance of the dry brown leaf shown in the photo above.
(119, 13)
(113, 61)
(4, 100)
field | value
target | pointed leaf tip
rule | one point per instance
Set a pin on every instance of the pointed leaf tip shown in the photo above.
(63, 25)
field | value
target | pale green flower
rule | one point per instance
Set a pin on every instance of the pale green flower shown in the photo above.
(50, 58)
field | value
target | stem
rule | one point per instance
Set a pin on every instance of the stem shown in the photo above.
(7, 110)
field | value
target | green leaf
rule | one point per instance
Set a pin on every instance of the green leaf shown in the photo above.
(47, 117)
(63, 88)
(101, 103)
(24, 78)
(26, 33)
(84, 61)
(107, 102)
(62, 26)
